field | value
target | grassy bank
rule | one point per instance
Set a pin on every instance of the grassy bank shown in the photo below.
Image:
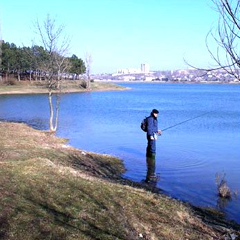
(50, 190)
(40, 87)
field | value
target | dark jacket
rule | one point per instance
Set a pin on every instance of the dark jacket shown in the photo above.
(152, 125)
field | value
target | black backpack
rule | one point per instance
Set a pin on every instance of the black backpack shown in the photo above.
(144, 124)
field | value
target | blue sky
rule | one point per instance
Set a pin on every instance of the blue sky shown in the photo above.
(119, 33)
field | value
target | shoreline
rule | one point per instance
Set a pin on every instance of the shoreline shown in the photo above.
(175, 82)
(21, 88)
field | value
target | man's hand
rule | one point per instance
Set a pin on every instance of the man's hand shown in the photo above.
(159, 132)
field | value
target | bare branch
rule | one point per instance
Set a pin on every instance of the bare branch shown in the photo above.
(227, 36)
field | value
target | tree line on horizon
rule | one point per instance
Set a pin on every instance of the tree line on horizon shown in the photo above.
(32, 63)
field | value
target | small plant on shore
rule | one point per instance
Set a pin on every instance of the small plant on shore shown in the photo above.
(83, 84)
(223, 189)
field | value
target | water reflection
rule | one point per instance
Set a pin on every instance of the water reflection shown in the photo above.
(151, 169)
(223, 203)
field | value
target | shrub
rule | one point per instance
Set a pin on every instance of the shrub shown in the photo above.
(10, 82)
(223, 189)
(83, 84)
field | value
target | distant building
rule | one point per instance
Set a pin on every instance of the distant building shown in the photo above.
(145, 68)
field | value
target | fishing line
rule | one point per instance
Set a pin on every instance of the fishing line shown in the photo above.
(185, 121)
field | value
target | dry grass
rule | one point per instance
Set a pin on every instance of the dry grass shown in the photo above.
(52, 191)
(36, 87)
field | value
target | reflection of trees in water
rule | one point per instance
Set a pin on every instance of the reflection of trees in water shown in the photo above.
(222, 203)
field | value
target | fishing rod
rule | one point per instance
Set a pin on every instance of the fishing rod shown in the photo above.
(184, 121)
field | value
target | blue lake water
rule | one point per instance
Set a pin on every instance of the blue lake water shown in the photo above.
(189, 155)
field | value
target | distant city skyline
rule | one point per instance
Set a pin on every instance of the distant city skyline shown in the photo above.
(120, 33)
(180, 76)
(144, 68)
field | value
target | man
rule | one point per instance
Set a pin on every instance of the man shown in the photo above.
(152, 133)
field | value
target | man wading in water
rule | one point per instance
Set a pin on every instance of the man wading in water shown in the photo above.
(152, 133)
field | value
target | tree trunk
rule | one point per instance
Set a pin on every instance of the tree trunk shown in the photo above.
(18, 73)
(53, 120)
(51, 111)
(30, 75)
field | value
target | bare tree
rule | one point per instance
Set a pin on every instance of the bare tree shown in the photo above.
(227, 37)
(54, 63)
(88, 61)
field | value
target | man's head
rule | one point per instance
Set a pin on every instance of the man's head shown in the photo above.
(155, 112)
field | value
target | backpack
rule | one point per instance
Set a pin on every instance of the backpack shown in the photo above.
(144, 124)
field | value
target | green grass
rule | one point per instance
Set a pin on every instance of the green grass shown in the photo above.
(52, 191)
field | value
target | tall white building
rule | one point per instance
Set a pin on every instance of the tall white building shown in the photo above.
(145, 68)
